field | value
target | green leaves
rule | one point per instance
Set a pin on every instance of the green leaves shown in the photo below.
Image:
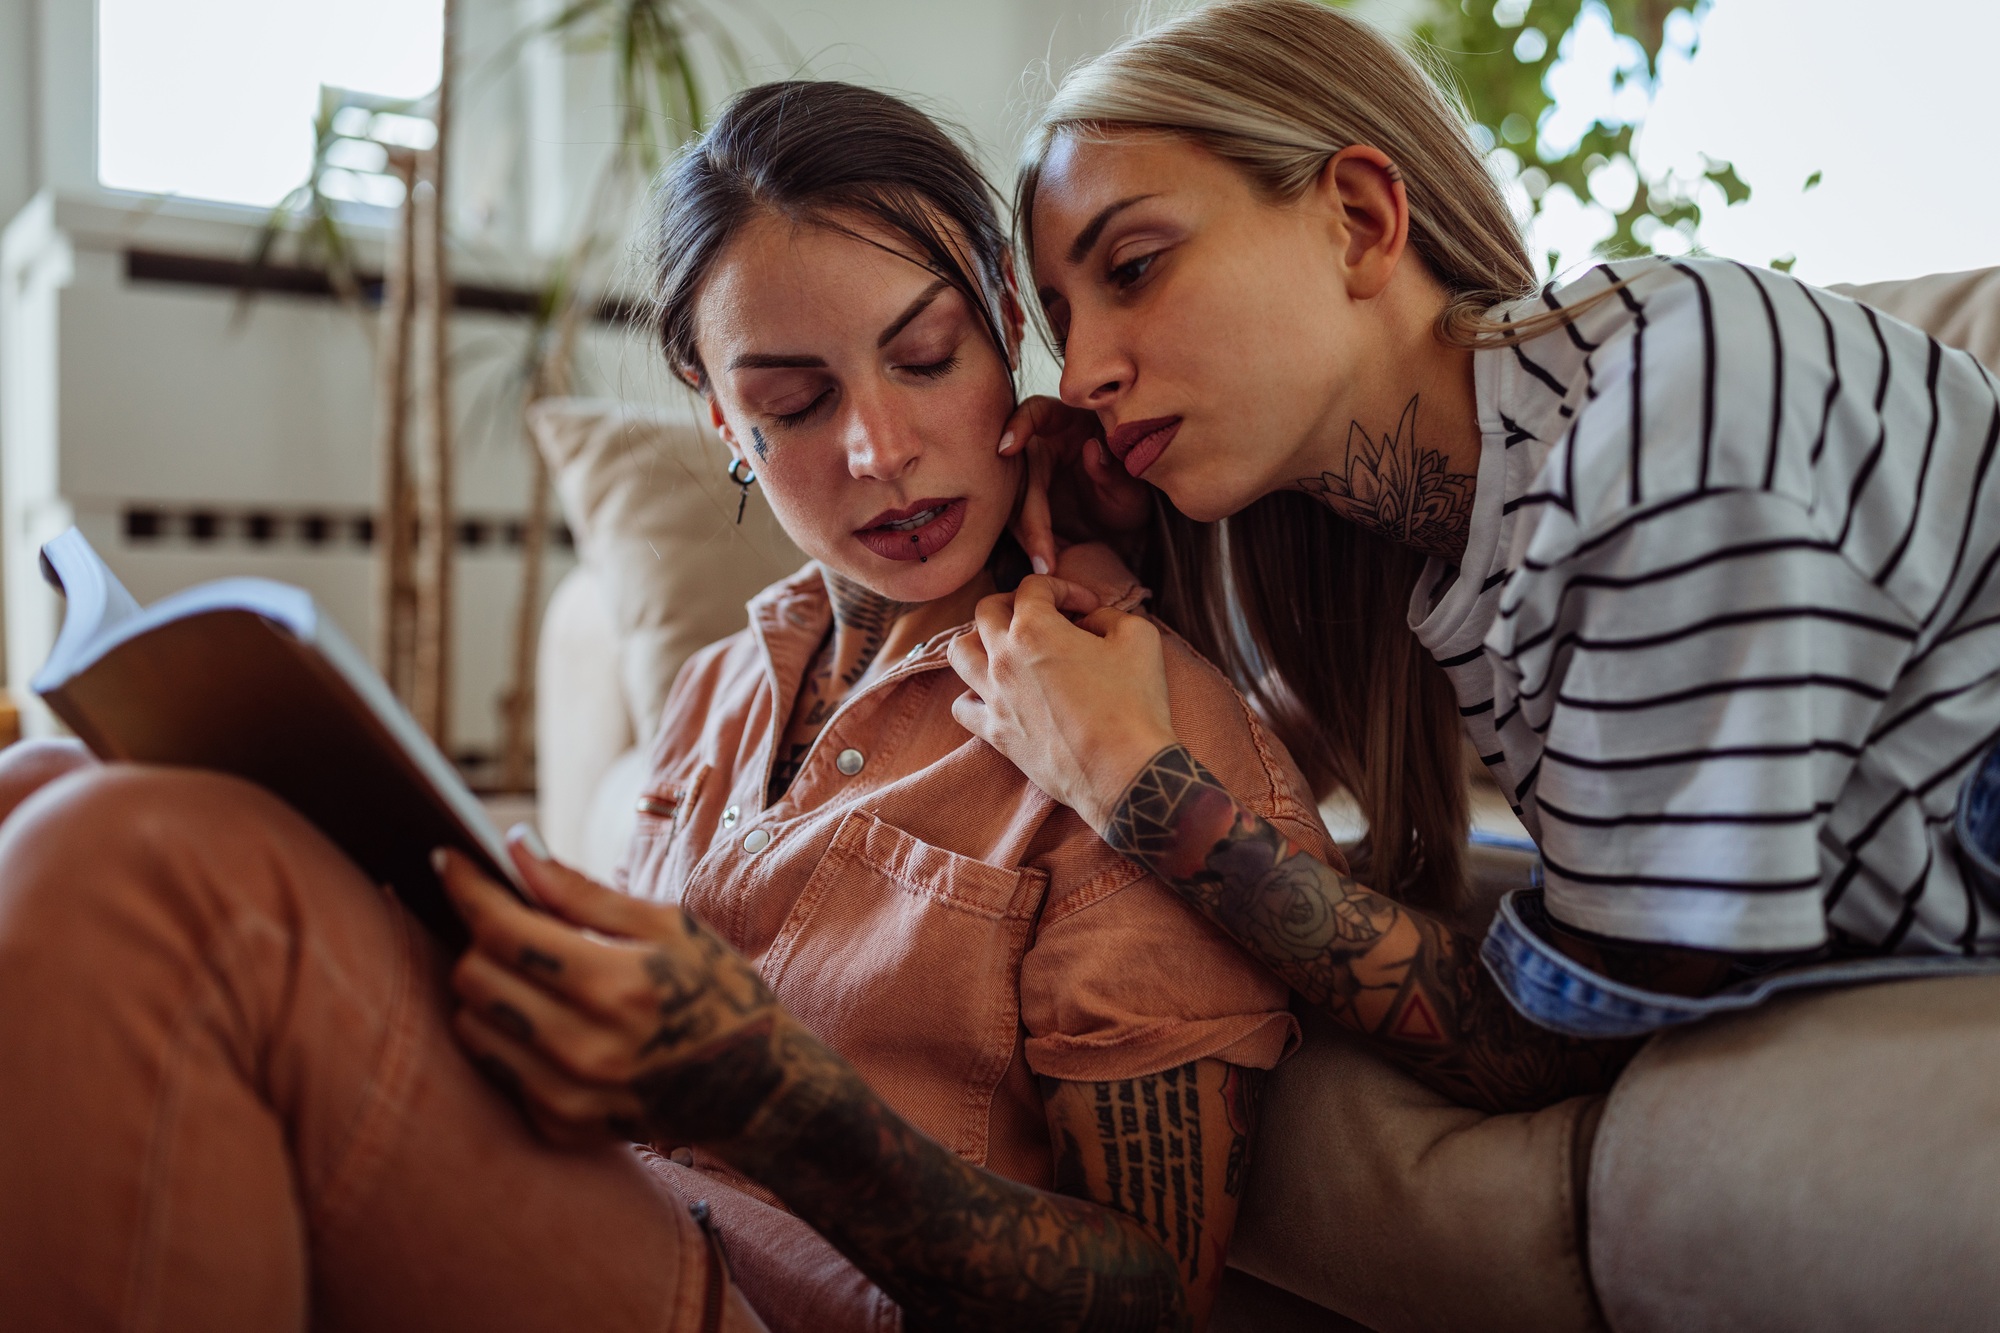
(1497, 54)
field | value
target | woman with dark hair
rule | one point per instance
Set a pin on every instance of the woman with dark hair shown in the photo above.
(890, 1020)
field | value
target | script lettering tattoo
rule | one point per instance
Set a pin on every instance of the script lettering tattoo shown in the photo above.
(1157, 1149)
(1400, 977)
(1149, 1132)
(758, 442)
(1399, 489)
(954, 1245)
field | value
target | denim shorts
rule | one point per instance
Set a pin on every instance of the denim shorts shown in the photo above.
(1555, 991)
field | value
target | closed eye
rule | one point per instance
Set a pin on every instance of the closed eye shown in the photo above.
(935, 369)
(804, 414)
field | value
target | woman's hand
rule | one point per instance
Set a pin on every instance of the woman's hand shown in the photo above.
(1078, 707)
(1074, 486)
(606, 1015)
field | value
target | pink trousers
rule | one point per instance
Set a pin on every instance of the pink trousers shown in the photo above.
(229, 1097)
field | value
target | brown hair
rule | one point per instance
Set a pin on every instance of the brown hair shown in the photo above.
(1307, 611)
(832, 155)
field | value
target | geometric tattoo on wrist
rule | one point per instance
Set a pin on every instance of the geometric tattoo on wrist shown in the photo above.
(1143, 825)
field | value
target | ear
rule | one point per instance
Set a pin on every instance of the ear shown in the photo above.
(1013, 315)
(1368, 214)
(722, 427)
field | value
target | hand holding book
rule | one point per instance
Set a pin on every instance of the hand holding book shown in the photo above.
(606, 1013)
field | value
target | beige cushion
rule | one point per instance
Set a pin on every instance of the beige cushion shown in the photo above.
(581, 723)
(1829, 1162)
(653, 513)
(1958, 309)
(1377, 1198)
(654, 518)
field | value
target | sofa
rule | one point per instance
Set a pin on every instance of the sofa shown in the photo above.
(1827, 1162)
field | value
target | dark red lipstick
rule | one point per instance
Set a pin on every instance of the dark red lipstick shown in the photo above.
(1138, 444)
(914, 532)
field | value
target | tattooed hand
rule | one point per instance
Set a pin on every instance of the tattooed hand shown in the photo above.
(606, 1015)
(1076, 707)
(1407, 981)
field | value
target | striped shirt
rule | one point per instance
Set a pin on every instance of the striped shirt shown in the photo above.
(1727, 628)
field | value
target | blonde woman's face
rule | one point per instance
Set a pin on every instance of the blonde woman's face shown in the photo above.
(1212, 332)
(867, 397)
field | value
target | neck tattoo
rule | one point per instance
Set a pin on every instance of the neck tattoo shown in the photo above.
(862, 618)
(1398, 489)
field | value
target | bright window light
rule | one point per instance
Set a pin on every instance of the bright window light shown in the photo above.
(214, 99)
(1884, 110)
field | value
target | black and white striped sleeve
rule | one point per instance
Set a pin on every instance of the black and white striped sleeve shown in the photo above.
(1702, 673)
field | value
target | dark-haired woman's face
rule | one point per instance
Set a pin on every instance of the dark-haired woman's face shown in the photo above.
(867, 396)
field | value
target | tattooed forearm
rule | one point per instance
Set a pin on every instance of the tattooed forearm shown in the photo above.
(1398, 489)
(1404, 979)
(954, 1245)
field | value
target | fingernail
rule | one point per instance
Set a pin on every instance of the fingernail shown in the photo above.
(530, 841)
(1006, 441)
(1041, 565)
(438, 861)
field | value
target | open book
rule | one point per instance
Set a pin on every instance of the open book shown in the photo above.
(247, 676)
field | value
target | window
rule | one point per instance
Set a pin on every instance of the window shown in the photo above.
(1860, 127)
(217, 99)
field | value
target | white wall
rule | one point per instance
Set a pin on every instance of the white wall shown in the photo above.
(16, 105)
(17, 108)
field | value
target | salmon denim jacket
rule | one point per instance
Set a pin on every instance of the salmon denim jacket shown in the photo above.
(926, 910)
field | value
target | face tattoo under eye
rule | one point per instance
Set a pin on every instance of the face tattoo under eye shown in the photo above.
(758, 442)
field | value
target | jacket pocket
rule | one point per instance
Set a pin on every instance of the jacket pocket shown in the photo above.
(906, 958)
(657, 864)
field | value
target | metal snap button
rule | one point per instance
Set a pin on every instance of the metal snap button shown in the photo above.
(850, 762)
(731, 815)
(756, 840)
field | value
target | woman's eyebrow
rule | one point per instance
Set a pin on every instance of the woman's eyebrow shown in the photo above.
(1087, 238)
(776, 361)
(915, 308)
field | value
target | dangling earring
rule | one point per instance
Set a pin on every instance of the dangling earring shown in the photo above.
(743, 484)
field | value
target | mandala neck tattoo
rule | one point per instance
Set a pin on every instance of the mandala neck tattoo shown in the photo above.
(1398, 489)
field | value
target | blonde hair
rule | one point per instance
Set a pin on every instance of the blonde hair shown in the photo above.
(1306, 611)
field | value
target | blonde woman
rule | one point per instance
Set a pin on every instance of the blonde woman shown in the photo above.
(1700, 560)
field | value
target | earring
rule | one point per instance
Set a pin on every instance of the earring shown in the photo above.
(743, 484)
